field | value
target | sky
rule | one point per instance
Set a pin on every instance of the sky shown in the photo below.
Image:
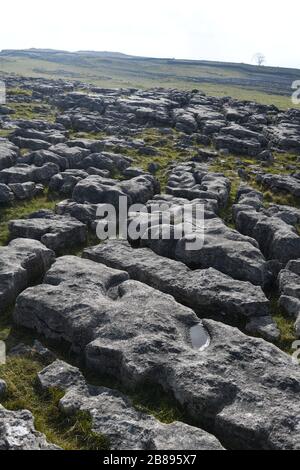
(224, 30)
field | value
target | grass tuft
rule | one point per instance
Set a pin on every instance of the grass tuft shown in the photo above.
(70, 433)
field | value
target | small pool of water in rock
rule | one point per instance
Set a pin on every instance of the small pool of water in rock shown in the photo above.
(199, 337)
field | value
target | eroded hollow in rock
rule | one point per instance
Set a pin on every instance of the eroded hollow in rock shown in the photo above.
(199, 337)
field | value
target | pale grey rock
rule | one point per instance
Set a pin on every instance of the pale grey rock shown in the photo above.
(64, 183)
(58, 233)
(21, 263)
(8, 154)
(17, 432)
(243, 390)
(284, 135)
(26, 191)
(277, 239)
(289, 288)
(85, 213)
(73, 156)
(249, 147)
(6, 194)
(206, 291)
(23, 173)
(97, 190)
(191, 181)
(3, 388)
(264, 327)
(114, 416)
(277, 183)
(31, 144)
(219, 246)
(106, 161)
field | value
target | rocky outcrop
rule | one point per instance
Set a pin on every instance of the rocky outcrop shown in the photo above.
(284, 135)
(23, 173)
(277, 237)
(22, 262)
(289, 287)
(17, 432)
(8, 154)
(199, 240)
(64, 183)
(19, 192)
(97, 190)
(193, 181)
(3, 388)
(56, 232)
(283, 183)
(207, 291)
(243, 390)
(114, 416)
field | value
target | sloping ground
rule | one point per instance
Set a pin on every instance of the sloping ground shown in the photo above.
(266, 84)
(173, 348)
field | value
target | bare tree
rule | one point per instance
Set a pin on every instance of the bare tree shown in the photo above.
(259, 58)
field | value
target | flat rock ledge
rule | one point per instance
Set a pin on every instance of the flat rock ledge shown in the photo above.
(58, 233)
(207, 291)
(242, 390)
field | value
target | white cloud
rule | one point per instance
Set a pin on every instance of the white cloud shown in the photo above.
(198, 29)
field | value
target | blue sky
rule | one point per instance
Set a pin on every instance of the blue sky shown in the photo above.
(229, 30)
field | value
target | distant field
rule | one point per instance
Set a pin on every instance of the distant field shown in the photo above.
(267, 85)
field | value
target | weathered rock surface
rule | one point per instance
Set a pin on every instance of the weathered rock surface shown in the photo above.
(73, 156)
(277, 238)
(85, 213)
(114, 416)
(192, 181)
(22, 173)
(107, 161)
(199, 243)
(284, 135)
(206, 291)
(243, 390)
(284, 183)
(64, 183)
(139, 324)
(21, 262)
(8, 154)
(17, 432)
(19, 192)
(238, 146)
(96, 190)
(289, 287)
(58, 233)
(3, 388)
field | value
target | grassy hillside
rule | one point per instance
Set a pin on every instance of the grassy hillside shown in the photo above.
(268, 85)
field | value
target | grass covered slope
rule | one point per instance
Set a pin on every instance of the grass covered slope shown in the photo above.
(268, 85)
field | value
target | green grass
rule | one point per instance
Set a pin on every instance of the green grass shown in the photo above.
(285, 325)
(247, 94)
(70, 433)
(18, 92)
(20, 210)
(87, 135)
(228, 165)
(33, 111)
(166, 153)
(116, 72)
(5, 132)
(147, 398)
(154, 401)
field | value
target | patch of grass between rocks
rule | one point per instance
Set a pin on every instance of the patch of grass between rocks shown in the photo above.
(70, 433)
